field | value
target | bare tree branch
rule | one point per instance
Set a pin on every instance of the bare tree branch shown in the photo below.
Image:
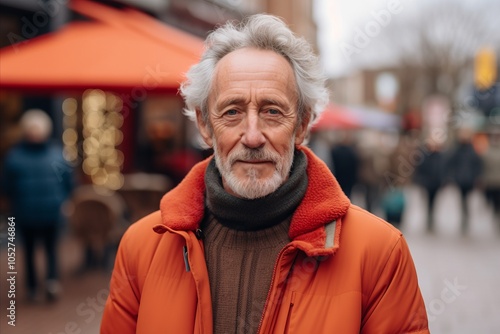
(440, 40)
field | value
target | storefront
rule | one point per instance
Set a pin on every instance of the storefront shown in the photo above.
(114, 80)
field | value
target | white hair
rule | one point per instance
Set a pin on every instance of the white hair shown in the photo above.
(36, 121)
(264, 32)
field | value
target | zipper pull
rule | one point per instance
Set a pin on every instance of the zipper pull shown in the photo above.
(185, 255)
(199, 234)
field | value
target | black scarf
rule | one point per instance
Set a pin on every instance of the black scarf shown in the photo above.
(256, 214)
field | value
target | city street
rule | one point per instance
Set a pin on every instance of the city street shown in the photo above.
(458, 276)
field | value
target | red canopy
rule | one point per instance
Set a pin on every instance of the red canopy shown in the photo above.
(336, 117)
(122, 50)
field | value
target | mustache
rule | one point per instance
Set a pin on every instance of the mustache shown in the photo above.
(247, 154)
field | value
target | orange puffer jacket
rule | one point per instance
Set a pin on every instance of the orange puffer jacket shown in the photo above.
(344, 271)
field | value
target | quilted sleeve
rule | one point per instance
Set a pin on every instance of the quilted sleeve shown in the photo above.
(121, 309)
(395, 305)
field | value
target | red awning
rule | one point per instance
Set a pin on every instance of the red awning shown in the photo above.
(336, 117)
(121, 50)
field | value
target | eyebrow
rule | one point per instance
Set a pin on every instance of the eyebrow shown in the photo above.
(267, 101)
(272, 101)
(225, 103)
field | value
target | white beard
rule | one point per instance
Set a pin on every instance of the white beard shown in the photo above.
(251, 186)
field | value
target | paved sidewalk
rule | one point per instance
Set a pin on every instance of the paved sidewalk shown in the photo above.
(79, 310)
(459, 282)
(459, 275)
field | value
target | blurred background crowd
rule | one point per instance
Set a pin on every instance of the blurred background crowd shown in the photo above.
(92, 132)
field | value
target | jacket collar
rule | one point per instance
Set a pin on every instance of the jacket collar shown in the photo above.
(315, 225)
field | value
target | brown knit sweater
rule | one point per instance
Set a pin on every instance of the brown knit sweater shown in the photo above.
(242, 241)
(240, 265)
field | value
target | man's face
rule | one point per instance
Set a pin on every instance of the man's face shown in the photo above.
(253, 124)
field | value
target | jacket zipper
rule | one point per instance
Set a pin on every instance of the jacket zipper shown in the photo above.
(280, 254)
(186, 259)
(199, 236)
(185, 255)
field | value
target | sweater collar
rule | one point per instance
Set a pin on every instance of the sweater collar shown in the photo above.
(183, 207)
(255, 214)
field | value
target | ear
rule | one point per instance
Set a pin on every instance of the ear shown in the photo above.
(204, 128)
(302, 129)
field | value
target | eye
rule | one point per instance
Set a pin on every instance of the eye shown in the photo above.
(273, 111)
(231, 112)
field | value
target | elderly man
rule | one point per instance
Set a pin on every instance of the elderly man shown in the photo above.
(260, 238)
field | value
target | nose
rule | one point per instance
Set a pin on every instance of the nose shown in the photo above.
(252, 136)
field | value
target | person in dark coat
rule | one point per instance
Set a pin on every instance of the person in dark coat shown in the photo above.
(37, 181)
(345, 164)
(465, 167)
(491, 176)
(429, 174)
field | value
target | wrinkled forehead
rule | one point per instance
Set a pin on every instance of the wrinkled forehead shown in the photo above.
(250, 64)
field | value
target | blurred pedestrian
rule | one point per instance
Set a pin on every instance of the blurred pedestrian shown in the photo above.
(37, 181)
(373, 165)
(320, 144)
(397, 176)
(491, 176)
(429, 174)
(464, 168)
(345, 163)
(260, 238)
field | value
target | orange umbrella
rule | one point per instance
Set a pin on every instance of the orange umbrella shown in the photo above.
(123, 50)
(336, 117)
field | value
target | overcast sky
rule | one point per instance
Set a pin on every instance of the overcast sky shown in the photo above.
(339, 20)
